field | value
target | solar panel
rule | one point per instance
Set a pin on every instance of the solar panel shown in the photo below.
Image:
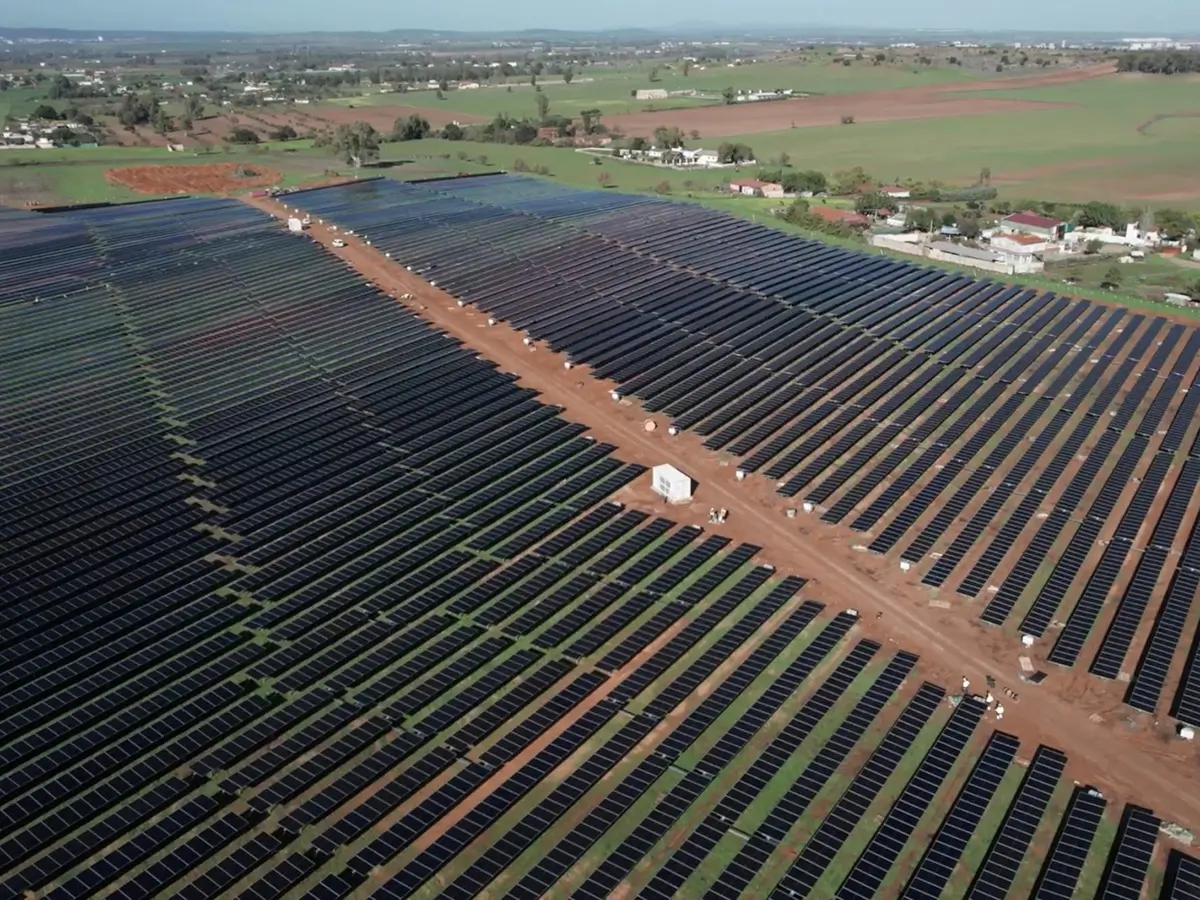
(1129, 859)
(1068, 854)
(944, 851)
(1011, 841)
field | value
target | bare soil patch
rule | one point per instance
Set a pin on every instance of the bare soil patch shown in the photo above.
(214, 178)
(1125, 763)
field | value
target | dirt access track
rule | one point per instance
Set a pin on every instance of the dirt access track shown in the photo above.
(215, 178)
(1075, 713)
(924, 102)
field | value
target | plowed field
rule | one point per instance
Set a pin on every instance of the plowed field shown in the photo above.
(215, 178)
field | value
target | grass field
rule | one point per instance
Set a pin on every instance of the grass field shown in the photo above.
(611, 90)
(19, 101)
(1089, 150)
(77, 175)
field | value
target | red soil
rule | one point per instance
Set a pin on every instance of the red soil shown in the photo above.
(217, 178)
(1125, 762)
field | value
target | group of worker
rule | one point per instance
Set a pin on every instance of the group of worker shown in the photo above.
(990, 698)
(717, 516)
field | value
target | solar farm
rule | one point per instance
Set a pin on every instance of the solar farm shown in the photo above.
(300, 596)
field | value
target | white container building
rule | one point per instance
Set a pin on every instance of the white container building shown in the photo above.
(671, 484)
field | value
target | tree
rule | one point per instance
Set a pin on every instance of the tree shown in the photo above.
(356, 144)
(729, 96)
(969, 226)
(242, 136)
(45, 111)
(668, 136)
(568, 75)
(687, 67)
(694, 134)
(1112, 278)
(1101, 215)
(543, 106)
(443, 85)
(1173, 224)
(985, 175)
(663, 187)
(524, 133)
(920, 218)
(410, 128)
(784, 159)
(1092, 247)
(452, 132)
(728, 153)
(847, 120)
(193, 107)
(604, 179)
(849, 181)
(134, 111)
(160, 121)
(60, 87)
(654, 75)
(590, 119)
(804, 182)
(871, 202)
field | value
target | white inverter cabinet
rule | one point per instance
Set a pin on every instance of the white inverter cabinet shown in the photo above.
(671, 484)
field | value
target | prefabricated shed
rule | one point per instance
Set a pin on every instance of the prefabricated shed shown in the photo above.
(670, 483)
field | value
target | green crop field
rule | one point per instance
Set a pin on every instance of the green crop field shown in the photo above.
(1089, 149)
(611, 90)
(19, 101)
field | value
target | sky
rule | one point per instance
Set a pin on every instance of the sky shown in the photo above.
(1131, 20)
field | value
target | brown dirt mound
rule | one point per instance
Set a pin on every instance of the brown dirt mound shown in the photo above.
(216, 178)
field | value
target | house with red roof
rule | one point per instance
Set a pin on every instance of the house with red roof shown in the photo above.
(1031, 223)
(846, 216)
(752, 187)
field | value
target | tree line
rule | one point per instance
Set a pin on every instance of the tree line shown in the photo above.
(1160, 62)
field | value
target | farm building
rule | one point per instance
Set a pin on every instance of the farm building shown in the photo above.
(896, 192)
(848, 216)
(1031, 223)
(753, 186)
(990, 260)
(1020, 244)
(652, 94)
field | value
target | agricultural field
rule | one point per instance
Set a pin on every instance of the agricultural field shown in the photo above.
(1096, 139)
(350, 611)
(611, 89)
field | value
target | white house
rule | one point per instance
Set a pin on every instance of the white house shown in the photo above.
(1020, 245)
(896, 192)
(671, 484)
(752, 186)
